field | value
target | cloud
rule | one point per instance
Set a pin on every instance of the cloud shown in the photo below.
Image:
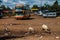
(31, 2)
(22, 2)
(5, 0)
(13, 2)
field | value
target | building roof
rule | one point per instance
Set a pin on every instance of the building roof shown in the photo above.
(34, 9)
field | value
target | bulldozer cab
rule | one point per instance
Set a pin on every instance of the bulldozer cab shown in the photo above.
(21, 12)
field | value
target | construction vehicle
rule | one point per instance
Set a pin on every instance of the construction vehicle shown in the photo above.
(21, 12)
(1, 11)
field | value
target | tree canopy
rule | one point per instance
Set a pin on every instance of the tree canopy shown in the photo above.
(35, 7)
(54, 7)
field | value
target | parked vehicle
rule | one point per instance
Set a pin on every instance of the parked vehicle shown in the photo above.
(1, 12)
(49, 14)
(21, 13)
(40, 13)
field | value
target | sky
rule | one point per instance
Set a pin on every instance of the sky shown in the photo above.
(12, 3)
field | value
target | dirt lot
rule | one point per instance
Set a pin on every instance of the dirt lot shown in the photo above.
(35, 22)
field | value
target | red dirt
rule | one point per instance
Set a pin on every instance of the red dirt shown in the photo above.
(35, 22)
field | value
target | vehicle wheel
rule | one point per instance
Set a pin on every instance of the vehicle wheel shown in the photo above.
(45, 17)
(0, 17)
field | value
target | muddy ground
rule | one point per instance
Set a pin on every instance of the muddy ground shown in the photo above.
(18, 27)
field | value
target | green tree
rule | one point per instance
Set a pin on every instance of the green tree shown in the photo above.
(46, 7)
(8, 8)
(27, 7)
(55, 6)
(42, 8)
(3, 6)
(35, 7)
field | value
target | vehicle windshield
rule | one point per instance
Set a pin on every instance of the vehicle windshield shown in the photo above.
(19, 13)
(46, 11)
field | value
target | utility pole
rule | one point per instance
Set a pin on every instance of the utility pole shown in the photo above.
(41, 4)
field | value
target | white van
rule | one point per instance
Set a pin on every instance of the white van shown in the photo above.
(49, 14)
(40, 13)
